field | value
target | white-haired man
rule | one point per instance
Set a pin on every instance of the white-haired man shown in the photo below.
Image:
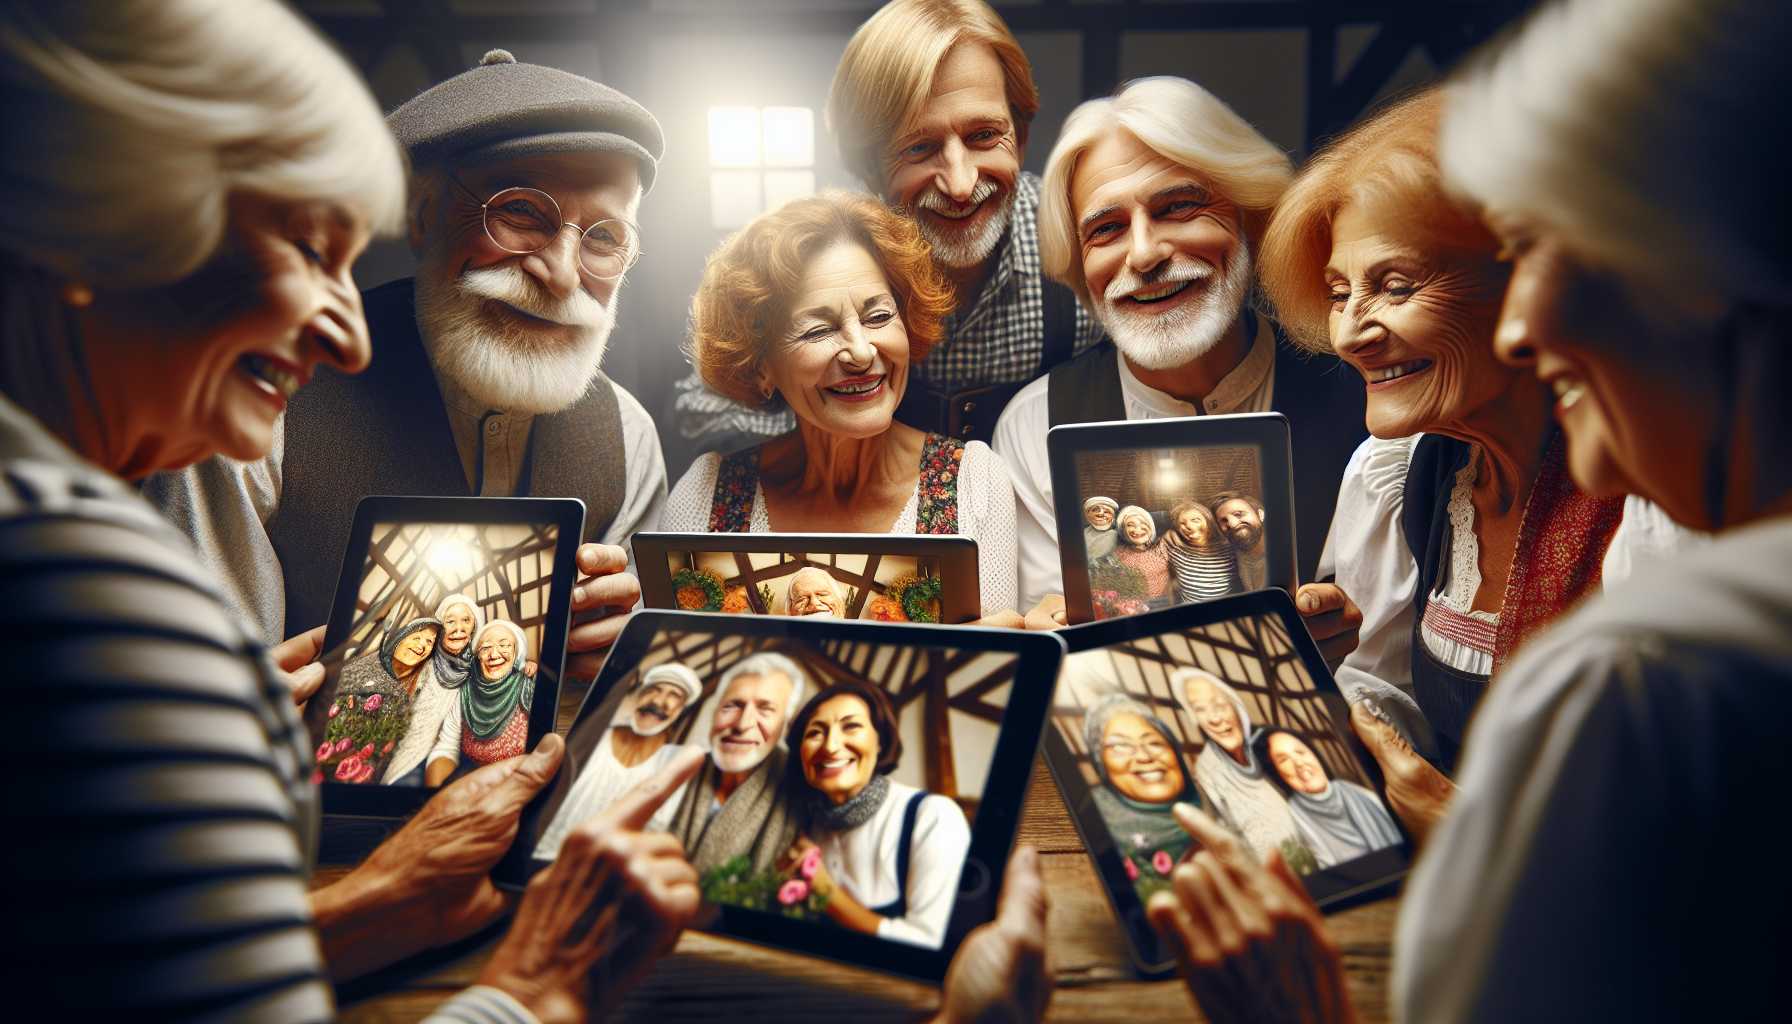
(487, 380)
(636, 744)
(1152, 202)
(737, 805)
(931, 103)
(813, 591)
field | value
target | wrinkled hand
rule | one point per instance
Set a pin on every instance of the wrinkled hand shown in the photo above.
(446, 853)
(1049, 613)
(1417, 791)
(1000, 972)
(612, 903)
(296, 657)
(601, 600)
(1332, 617)
(1007, 618)
(1250, 943)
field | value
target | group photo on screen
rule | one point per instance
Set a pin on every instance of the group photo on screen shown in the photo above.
(842, 777)
(1171, 526)
(437, 674)
(878, 587)
(1224, 716)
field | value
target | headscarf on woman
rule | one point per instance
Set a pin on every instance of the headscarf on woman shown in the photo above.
(487, 706)
(372, 709)
(452, 669)
(1140, 830)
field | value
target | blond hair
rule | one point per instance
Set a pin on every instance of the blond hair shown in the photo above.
(1180, 121)
(887, 72)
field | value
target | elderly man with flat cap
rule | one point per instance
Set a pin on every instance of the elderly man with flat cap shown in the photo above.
(485, 379)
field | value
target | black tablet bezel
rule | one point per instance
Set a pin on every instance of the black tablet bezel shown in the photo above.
(957, 555)
(1328, 887)
(998, 814)
(1267, 432)
(566, 514)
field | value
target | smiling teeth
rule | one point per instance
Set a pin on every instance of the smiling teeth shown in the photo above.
(283, 381)
(1399, 370)
(1155, 294)
(1568, 392)
(856, 389)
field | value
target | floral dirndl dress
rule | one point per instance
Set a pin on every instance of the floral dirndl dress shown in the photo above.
(936, 492)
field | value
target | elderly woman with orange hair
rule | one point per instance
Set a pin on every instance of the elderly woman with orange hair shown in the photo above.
(821, 306)
(1458, 531)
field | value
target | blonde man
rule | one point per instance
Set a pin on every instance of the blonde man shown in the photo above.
(1153, 201)
(931, 104)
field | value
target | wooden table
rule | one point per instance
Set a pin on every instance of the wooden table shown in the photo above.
(709, 978)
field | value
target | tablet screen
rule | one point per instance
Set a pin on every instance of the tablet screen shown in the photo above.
(442, 654)
(844, 779)
(878, 587)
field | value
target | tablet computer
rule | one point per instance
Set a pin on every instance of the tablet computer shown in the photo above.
(1229, 706)
(445, 644)
(863, 781)
(919, 578)
(1157, 513)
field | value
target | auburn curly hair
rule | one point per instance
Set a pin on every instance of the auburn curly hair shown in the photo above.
(749, 283)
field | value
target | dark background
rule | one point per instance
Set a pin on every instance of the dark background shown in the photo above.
(1297, 70)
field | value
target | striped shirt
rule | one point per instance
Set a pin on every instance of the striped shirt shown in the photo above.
(158, 801)
(1201, 575)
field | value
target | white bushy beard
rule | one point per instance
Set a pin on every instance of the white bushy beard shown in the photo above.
(740, 764)
(503, 365)
(1162, 341)
(960, 250)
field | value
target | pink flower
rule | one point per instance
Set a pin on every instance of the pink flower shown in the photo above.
(794, 891)
(335, 709)
(345, 771)
(342, 745)
(364, 773)
(317, 776)
(324, 750)
(1132, 870)
(1161, 863)
(365, 752)
(810, 864)
(373, 703)
(388, 747)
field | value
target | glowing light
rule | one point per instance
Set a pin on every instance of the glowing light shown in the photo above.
(789, 137)
(783, 186)
(450, 556)
(733, 198)
(734, 137)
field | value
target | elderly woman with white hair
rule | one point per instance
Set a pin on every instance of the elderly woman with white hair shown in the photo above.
(1616, 769)
(437, 688)
(1235, 782)
(1141, 552)
(490, 721)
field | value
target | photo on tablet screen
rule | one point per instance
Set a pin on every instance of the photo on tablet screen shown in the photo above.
(878, 587)
(1224, 715)
(843, 775)
(439, 667)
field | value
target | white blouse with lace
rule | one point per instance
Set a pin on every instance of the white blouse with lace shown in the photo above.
(985, 514)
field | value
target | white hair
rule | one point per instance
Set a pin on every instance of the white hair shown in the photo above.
(1135, 512)
(461, 599)
(675, 673)
(769, 663)
(1640, 131)
(1180, 679)
(130, 124)
(1184, 123)
(833, 584)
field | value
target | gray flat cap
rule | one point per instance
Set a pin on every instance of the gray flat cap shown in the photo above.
(506, 109)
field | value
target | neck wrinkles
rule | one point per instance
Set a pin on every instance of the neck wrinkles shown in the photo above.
(818, 463)
(1511, 432)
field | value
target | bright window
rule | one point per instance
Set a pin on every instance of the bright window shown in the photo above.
(759, 159)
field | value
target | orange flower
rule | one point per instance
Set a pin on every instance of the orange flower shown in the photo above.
(691, 598)
(735, 600)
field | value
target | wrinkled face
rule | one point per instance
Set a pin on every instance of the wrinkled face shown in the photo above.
(840, 748)
(1615, 362)
(1193, 527)
(1296, 763)
(520, 332)
(748, 721)
(1137, 529)
(954, 163)
(656, 708)
(207, 364)
(457, 628)
(1164, 255)
(813, 593)
(496, 653)
(1099, 516)
(841, 361)
(1215, 715)
(1240, 521)
(413, 649)
(1415, 316)
(1140, 761)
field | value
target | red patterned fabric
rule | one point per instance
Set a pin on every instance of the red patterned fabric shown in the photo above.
(1561, 552)
(1463, 629)
(936, 490)
(509, 742)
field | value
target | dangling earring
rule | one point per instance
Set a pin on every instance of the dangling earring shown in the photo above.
(77, 295)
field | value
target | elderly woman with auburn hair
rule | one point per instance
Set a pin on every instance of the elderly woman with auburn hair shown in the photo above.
(1458, 529)
(821, 306)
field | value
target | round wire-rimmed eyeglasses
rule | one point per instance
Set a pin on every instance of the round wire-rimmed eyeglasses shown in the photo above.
(525, 220)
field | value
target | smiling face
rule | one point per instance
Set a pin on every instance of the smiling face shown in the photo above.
(413, 650)
(656, 708)
(1139, 761)
(206, 365)
(457, 628)
(840, 748)
(1194, 528)
(953, 165)
(520, 332)
(1240, 521)
(1137, 529)
(1163, 254)
(812, 592)
(1296, 763)
(748, 721)
(1415, 316)
(1215, 715)
(1099, 516)
(841, 360)
(496, 653)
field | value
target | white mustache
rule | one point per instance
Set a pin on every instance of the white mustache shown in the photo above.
(1179, 269)
(508, 284)
(934, 199)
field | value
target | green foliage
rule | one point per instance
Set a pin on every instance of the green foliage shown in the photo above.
(357, 740)
(735, 884)
(1123, 580)
(765, 595)
(1298, 857)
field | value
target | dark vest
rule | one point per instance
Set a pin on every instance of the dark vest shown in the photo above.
(1322, 399)
(385, 431)
(971, 414)
(1446, 695)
